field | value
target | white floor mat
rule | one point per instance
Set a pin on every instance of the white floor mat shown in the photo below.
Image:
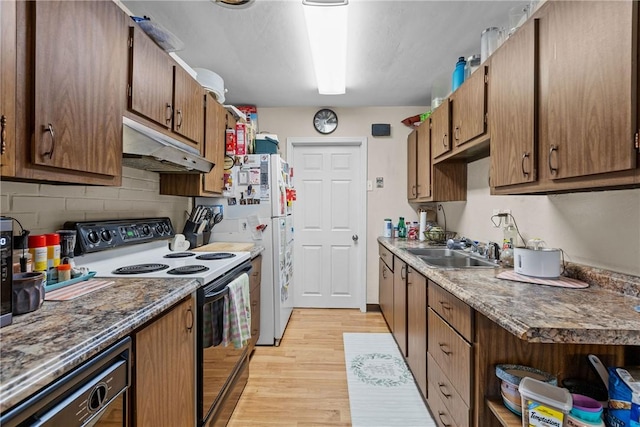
(382, 392)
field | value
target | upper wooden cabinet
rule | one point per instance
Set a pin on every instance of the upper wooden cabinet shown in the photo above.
(511, 106)
(70, 91)
(440, 130)
(469, 108)
(150, 80)
(208, 184)
(564, 110)
(7, 88)
(419, 163)
(164, 93)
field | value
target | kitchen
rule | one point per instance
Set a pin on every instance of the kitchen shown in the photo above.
(608, 237)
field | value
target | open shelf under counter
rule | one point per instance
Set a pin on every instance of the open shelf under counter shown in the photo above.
(504, 416)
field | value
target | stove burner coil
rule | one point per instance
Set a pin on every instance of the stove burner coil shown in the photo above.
(215, 255)
(140, 268)
(179, 255)
(188, 269)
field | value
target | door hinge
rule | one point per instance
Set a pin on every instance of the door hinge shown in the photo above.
(486, 117)
(130, 42)
(486, 78)
(637, 140)
(128, 90)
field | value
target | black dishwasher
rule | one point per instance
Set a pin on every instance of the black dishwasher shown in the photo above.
(92, 394)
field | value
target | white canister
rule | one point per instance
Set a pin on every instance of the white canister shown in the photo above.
(544, 262)
(388, 228)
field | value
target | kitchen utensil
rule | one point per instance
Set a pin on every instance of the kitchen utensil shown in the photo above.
(28, 292)
(600, 369)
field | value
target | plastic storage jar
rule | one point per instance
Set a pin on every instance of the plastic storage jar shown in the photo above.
(543, 404)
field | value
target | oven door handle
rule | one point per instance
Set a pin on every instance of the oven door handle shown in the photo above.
(216, 295)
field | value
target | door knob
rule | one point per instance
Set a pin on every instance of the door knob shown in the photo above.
(354, 237)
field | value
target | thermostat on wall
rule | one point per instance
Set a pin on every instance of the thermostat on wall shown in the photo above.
(381, 129)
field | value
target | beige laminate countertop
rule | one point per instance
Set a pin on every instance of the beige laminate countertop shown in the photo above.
(603, 313)
(41, 346)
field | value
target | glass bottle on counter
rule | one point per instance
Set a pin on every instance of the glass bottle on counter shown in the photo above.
(509, 241)
(402, 228)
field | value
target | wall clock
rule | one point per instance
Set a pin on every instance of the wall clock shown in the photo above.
(325, 121)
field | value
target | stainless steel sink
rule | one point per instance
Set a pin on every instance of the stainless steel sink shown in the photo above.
(437, 253)
(463, 261)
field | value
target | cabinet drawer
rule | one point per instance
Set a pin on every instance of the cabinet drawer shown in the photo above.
(451, 353)
(458, 314)
(448, 395)
(386, 256)
(441, 413)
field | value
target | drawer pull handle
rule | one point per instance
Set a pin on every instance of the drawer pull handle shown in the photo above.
(440, 414)
(444, 390)
(445, 305)
(190, 319)
(445, 349)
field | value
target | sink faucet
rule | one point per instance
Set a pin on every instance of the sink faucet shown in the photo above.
(474, 246)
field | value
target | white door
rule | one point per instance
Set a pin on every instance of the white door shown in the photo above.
(329, 222)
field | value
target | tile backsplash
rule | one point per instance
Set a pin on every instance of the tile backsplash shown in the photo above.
(44, 208)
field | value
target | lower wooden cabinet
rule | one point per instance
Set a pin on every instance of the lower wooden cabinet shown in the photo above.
(164, 369)
(385, 290)
(400, 304)
(417, 327)
(255, 279)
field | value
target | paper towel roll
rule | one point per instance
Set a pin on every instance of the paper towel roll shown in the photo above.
(423, 225)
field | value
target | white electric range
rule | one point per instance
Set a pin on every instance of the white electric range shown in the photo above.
(139, 249)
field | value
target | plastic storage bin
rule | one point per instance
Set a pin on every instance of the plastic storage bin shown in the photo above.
(543, 404)
(266, 144)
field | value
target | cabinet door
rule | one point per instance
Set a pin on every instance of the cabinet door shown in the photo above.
(591, 83)
(400, 304)
(7, 87)
(80, 79)
(165, 370)
(385, 292)
(417, 327)
(440, 135)
(189, 106)
(412, 165)
(151, 80)
(512, 95)
(423, 157)
(214, 145)
(468, 108)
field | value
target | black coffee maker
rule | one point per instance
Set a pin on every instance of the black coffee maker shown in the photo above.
(6, 272)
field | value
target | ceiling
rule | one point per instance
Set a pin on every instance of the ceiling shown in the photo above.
(395, 48)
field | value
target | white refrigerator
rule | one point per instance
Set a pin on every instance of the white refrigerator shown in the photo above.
(259, 196)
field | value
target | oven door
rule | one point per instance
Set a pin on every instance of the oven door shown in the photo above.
(218, 365)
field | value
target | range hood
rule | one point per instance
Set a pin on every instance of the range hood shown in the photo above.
(147, 149)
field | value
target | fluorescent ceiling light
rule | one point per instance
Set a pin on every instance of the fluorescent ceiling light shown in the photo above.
(327, 29)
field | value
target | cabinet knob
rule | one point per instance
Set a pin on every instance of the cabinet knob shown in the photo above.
(169, 113)
(3, 134)
(178, 118)
(524, 157)
(49, 129)
(551, 168)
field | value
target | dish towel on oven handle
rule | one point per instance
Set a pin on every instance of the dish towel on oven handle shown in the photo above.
(237, 316)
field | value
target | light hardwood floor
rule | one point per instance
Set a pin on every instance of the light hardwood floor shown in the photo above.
(303, 382)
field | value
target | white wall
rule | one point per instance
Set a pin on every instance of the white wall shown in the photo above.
(601, 229)
(43, 208)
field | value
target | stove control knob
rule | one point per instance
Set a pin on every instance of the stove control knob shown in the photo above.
(166, 228)
(93, 237)
(146, 230)
(159, 229)
(106, 235)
